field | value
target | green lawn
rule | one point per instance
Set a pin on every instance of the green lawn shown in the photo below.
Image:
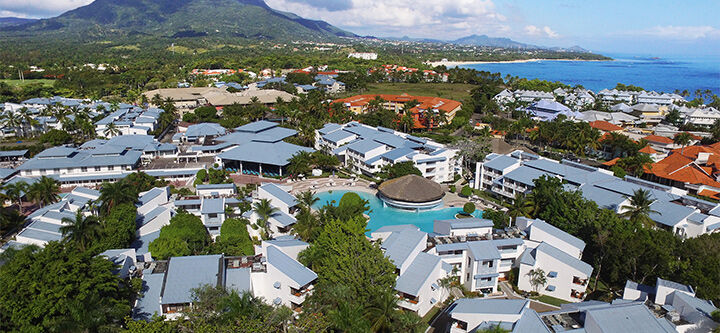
(19, 83)
(446, 90)
(550, 300)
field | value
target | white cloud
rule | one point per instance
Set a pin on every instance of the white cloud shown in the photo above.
(681, 32)
(536, 31)
(419, 18)
(39, 8)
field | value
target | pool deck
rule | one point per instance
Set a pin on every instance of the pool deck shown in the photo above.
(358, 185)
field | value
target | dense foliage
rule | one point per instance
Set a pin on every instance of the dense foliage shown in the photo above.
(234, 239)
(185, 235)
(59, 289)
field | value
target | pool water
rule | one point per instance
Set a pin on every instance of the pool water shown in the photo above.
(381, 216)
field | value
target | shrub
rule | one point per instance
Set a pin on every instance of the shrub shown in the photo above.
(452, 189)
(466, 191)
(469, 208)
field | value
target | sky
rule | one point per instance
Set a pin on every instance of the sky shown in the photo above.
(619, 26)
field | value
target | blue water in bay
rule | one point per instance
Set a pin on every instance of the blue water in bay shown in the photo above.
(382, 216)
(662, 74)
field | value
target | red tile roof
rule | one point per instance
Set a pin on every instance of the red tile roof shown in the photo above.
(426, 103)
(658, 139)
(605, 126)
(648, 150)
(682, 166)
(612, 161)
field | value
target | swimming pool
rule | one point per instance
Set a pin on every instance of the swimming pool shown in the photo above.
(381, 216)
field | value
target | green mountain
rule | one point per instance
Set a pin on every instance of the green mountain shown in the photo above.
(12, 21)
(181, 18)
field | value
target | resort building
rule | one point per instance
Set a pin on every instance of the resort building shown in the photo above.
(528, 96)
(516, 316)
(44, 223)
(365, 149)
(702, 117)
(280, 222)
(618, 96)
(616, 118)
(128, 122)
(505, 176)
(658, 98)
(256, 148)
(547, 110)
(363, 55)
(272, 275)
(418, 272)
(678, 301)
(428, 113)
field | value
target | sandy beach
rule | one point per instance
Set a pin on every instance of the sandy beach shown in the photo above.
(450, 63)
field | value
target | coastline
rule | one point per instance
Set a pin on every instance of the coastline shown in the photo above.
(450, 64)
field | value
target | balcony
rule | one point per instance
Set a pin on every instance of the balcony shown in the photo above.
(579, 281)
(576, 294)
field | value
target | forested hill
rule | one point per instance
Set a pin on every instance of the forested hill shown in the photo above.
(179, 18)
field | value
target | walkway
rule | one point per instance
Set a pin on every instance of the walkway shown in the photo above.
(535, 305)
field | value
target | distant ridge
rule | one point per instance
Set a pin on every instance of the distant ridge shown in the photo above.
(182, 18)
(13, 21)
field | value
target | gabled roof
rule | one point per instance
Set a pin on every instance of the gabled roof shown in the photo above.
(417, 273)
(186, 273)
(277, 153)
(565, 258)
(605, 126)
(256, 127)
(280, 194)
(488, 306)
(562, 235)
(400, 244)
(294, 270)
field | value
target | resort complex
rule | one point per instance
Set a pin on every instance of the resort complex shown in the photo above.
(426, 112)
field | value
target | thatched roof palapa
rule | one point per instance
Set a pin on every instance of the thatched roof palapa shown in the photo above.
(411, 188)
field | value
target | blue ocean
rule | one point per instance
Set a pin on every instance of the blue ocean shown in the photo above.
(662, 74)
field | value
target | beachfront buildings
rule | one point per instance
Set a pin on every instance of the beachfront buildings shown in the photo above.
(694, 168)
(506, 176)
(548, 110)
(366, 149)
(429, 112)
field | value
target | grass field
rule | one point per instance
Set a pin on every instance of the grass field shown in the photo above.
(446, 90)
(550, 300)
(19, 83)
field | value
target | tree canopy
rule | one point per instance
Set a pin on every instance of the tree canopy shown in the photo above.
(185, 235)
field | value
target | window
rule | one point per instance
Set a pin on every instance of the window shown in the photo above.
(213, 215)
(489, 263)
(112, 167)
(97, 168)
(467, 277)
(56, 170)
(83, 169)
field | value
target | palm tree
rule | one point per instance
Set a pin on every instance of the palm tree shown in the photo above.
(44, 191)
(113, 194)
(519, 207)
(306, 199)
(82, 230)
(11, 120)
(382, 312)
(683, 139)
(111, 130)
(537, 278)
(264, 210)
(16, 191)
(639, 209)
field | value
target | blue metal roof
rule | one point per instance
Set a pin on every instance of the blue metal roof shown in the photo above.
(152, 194)
(290, 267)
(400, 244)
(483, 250)
(525, 175)
(238, 279)
(562, 235)
(13, 153)
(397, 154)
(149, 303)
(338, 136)
(212, 206)
(489, 306)
(80, 159)
(467, 223)
(187, 273)
(280, 194)
(500, 162)
(256, 127)
(417, 273)
(363, 146)
(633, 317)
(673, 285)
(277, 153)
(431, 159)
(328, 128)
(283, 219)
(216, 186)
(669, 214)
(40, 235)
(565, 258)
(280, 242)
(205, 129)
(142, 243)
